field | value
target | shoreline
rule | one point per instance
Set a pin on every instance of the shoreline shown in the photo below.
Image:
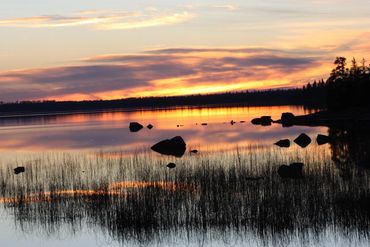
(343, 118)
(137, 109)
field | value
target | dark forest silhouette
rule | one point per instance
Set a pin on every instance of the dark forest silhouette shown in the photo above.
(348, 87)
(314, 97)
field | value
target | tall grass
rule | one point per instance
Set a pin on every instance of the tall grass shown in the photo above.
(137, 198)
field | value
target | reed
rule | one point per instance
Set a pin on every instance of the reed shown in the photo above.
(211, 195)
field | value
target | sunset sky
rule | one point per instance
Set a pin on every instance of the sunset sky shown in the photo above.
(108, 49)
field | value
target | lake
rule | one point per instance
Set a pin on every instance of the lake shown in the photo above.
(89, 181)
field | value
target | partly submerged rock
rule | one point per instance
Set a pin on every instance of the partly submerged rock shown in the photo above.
(256, 121)
(264, 121)
(194, 151)
(287, 119)
(303, 140)
(204, 124)
(285, 143)
(322, 139)
(171, 165)
(287, 116)
(175, 147)
(19, 169)
(150, 126)
(232, 122)
(294, 170)
(135, 127)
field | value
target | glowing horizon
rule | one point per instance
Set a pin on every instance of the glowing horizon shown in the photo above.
(65, 51)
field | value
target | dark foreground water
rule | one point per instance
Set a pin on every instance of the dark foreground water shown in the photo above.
(90, 182)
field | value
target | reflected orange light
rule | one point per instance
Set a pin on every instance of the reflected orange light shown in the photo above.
(114, 189)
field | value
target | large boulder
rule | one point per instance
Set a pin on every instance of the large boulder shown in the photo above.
(322, 139)
(175, 147)
(135, 127)
(285, 143)
(303, 140)
(294, 170)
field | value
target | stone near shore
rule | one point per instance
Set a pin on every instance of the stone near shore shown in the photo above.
(175, 147)
(303, 140)
(285, 143)
(135, 126)
(150, 126)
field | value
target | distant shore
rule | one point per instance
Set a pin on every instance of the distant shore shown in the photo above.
(310, 99)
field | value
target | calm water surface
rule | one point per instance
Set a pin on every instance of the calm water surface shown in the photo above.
(110, 130)
(75, 190)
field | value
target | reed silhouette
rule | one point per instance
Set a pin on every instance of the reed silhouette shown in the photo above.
(208, 196)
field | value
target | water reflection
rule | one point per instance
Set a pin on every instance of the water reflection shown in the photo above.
(91, 131)
(350, 147)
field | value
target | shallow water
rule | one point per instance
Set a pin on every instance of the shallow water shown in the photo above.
(86, 175)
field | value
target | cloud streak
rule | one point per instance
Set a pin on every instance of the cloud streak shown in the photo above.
(100, 20)
(160, 72)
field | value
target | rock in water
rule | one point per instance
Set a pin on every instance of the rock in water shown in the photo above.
(264, 121)
(322, 139)
(303, 140)
(194, 151)
(287, 116)
(171, 165)
(294, 170)
(285, 143)
(19, 169)
(150, 126)
(135, 127)
(175, 147)
(256, 121)
(287, 119)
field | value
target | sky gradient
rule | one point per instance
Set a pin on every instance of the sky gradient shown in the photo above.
(79, 49)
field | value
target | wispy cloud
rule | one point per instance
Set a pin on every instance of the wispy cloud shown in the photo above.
(100, 20)
(160, 72)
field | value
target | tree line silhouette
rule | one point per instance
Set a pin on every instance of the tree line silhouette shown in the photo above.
(346, 87)
(253, 98)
